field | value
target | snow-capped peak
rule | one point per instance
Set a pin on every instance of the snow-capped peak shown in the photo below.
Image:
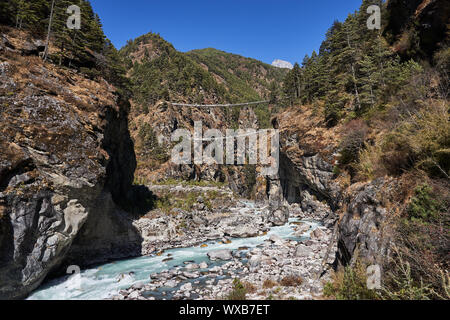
(282, 64)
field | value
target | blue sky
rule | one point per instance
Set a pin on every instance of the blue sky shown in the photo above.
(260, 29)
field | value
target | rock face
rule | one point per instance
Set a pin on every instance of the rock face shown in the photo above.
(305, 173)
(306, 181)
(279, 216)
(66, 160)
(364, 229)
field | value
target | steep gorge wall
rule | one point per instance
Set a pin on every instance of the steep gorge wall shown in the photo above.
(360, 211)
(67, 160)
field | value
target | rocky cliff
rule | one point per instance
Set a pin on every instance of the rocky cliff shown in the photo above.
(307, 156)
(67, 162)
(308, 182)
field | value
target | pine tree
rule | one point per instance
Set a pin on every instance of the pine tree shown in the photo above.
(24, 14)
(293, 84)
(273, 95)
(64, 38)
(7, 10)
(47, 42)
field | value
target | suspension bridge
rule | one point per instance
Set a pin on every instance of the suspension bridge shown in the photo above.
(217, 105)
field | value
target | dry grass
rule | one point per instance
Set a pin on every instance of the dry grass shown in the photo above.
(310, 128)
(2, 211)
(269, 284)
(350, 283)
(249, 287)
(421, 141)
(291, 281)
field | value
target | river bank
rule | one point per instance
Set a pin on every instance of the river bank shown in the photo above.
(195, 245)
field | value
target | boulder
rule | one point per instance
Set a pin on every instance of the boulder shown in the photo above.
(133, 295)
(220, 255)
(254, 263)
(170, 284)
(190, 275)
(318, 234)
(30, 49)
(4, 42)
(242, 231)
(302, 229)
(186, 287)
(139, 286)
(279, 216)
(303, 252)
(40, 44)
(276, 240)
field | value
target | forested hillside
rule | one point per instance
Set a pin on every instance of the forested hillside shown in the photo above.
(246, 79)
(159, 74)
(387, 92)
(86, 49)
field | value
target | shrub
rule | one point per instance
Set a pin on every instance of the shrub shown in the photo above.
(250, 288)
(423, 206)
(397, 154)
(353, 141)
(269, 284)
(421, 240)
(250, 178)
(164, 203)
(350, 284)
(291, 281)
(239, 291)
(369, 165)
(425, 137)
(442, 61)
(420, 141)
(401, 284)
(150, 145)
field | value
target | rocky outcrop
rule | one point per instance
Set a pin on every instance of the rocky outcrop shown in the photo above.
(364, 231)
(307, 182)
(67, 160)
(305, 176)
(279, 216)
